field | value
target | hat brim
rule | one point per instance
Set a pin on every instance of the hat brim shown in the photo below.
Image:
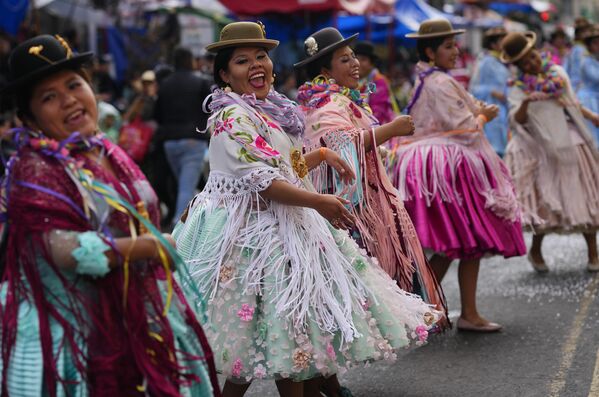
(73, 62)
(219, 45)
(452, 32)
(326, 50)
(532, 40)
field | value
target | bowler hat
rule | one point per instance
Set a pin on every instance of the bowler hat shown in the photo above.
(497, 31)
(366, 49)
(238, 34)
(435, 28)
(581, 22)
(323, 42)
(39, 57)
(591, 33)
(515, 45)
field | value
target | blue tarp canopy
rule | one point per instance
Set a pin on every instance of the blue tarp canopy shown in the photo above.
(407, 16)
(507, 8)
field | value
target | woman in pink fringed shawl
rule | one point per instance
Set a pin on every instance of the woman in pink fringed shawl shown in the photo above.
(456, 189)
(337, 117)
(90, 305)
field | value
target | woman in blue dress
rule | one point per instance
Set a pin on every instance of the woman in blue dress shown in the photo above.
(489, 84)
(589, 74)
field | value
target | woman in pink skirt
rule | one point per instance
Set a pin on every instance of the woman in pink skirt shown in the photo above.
(457, 190)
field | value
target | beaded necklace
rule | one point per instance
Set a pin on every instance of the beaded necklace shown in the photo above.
(317, 93)
(548, 81)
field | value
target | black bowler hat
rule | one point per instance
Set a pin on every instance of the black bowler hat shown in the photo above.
(40, 57)
(323, 42)
(366, 49)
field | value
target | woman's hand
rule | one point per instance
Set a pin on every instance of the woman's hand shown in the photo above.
(500, 96)
(489, 111)
(403, 126)
(594, 118)
(343, 169)
(332, 208)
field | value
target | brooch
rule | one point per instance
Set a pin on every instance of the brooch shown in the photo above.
(311, 46)
(298, 162)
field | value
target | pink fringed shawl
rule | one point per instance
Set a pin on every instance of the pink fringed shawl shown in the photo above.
(384, 225)
(448, 132)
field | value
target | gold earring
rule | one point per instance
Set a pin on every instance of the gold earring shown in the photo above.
(227, 88)
(272, 81)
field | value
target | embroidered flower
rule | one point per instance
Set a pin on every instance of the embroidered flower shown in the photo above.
(264, 147)
(301, 359)
(366, 305)
(311, 46)
(223, 125)
(260, 371)
(422, 333)
(360, 264)
(226, 274)
(246, 313)
(269, 122)
(331, 352)
(355, 110)
(237, 367)
(262, 330)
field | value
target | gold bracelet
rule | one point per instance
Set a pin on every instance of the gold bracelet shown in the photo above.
(323, 153)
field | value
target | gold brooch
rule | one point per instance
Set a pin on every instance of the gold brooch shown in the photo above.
(298, 162)
(36, 51)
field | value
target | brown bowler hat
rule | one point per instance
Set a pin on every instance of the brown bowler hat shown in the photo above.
(238, 34)
(515, 45)
(581, 22)
(495, 32)
(592, 32)
(435, 28)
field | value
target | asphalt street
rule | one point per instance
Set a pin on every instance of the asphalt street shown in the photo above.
(549, 346)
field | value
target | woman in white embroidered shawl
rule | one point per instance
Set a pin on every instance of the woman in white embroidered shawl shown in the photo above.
(291, 298)
(552, 156)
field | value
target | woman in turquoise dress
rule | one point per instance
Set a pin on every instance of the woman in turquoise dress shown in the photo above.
(91, 302)
(290, 295)
(589, 76)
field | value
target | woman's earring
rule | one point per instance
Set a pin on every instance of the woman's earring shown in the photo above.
(431, 62)
(272, 81)
(228, 88)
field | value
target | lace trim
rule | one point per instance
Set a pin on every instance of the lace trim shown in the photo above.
(223, 185)
(336, 139)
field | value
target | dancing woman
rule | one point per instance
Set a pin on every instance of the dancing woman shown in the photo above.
(338, 118)
(552, 155)
(291, 298)
(90, 302)
(455, 187)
